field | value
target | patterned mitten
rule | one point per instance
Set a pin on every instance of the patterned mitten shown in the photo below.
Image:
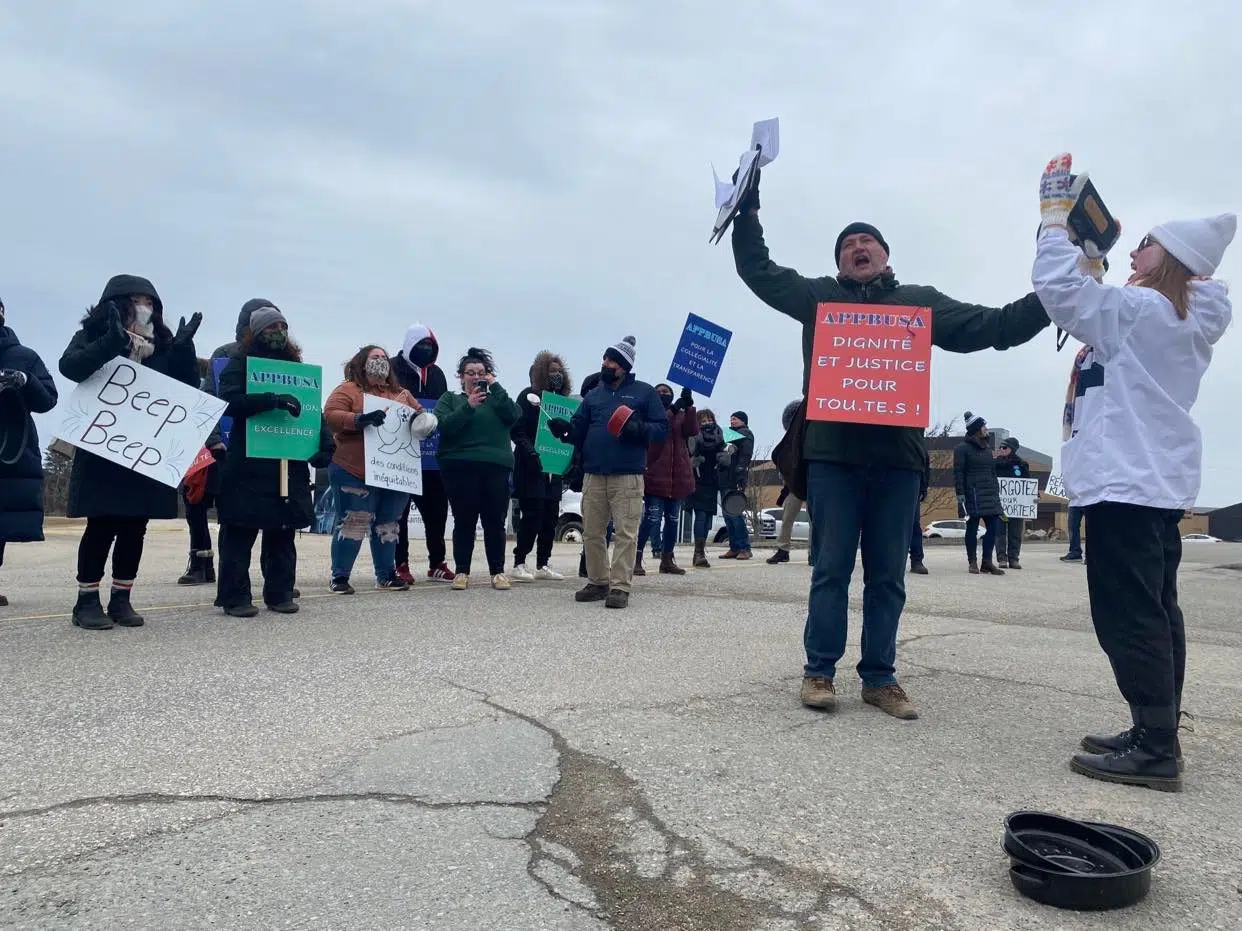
(1058, 190)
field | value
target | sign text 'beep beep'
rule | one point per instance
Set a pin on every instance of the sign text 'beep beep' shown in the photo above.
(115, 393)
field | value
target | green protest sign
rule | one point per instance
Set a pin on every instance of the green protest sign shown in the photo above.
(278, 434)
(554, 454)
(731, 435)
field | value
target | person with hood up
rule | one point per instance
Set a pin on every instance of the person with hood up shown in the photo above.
(25, 388)
(1134, 458)
(737, 476)
(669, 480)
(1009, 536)
(364, 511)
(978, 493)
(200, 494)
(250, 501)
(614, 427)
(709, 457)
(791, 505)
(118, 502)
(538, 493)
(418, 373)
(863, 479)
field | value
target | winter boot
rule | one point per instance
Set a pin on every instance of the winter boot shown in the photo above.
(200, 570)
(668, 565)
(119, 608)
(88, 613)
(1105, 744)
(917, 567)
(973, 568)
(991, 569)
(638, 564)
(700, 555)
(1150, 761)
(781, 555)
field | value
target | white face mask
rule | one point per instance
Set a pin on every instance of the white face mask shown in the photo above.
(142, 314)
(377, 369)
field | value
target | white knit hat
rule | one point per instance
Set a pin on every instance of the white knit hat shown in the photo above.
(1197, 244)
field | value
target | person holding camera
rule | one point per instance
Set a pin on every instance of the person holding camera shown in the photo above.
(476, 459)
(364, 511)
(613, 427)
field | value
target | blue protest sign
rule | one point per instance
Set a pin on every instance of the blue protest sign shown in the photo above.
(430, 447)
(226, 423)
(699, 355)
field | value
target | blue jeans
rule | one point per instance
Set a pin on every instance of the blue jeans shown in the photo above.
(739, 537)
(848, 503)
(916, 537)
(654, 511)
(702, 524)
(363, 512)
(1075, 533)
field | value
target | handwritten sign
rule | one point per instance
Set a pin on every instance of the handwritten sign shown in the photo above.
(393, 456)
(140, 419)
(278, 434)
(871, 363)
(699, 355)
(555, 455)
(430, 444)
(1020, 497)
(1056, 486)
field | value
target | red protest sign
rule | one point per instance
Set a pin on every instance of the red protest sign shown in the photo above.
(871, 363)
(201, 461)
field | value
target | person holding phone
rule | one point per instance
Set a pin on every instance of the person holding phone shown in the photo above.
(476, 459)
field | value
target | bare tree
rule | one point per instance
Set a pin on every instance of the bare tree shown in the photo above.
(56, 469)
(942, 429)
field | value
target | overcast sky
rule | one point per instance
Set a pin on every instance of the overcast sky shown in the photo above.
(522, 175)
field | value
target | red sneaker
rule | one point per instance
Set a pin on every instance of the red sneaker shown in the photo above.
(441, 573)
(403, 573)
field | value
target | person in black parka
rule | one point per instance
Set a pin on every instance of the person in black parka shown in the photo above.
(978, 493)
(117, 502)
(709, 458)
(538, 493)
(1009, 540)
(25, 388)
(250, 499)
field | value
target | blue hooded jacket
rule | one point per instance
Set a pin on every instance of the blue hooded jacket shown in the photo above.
(603, 453)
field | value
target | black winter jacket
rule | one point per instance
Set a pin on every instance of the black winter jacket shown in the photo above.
(956, 327)
(710, 462)
(529, 479)
(250, 488)
(21, 458)
(99, 487)
(974, 478)
(1012, 466)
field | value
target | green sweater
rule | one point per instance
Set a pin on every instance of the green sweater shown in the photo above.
(956, 327)
(476, 434)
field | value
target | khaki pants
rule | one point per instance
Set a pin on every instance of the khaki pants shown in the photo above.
(618, 498)
(792, 508)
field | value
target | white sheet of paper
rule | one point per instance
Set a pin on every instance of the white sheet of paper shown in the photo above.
(767, 133)
(140, 419)
(394, 459)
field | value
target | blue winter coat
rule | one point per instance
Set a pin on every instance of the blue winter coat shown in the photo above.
(21, 480)
(603, 453)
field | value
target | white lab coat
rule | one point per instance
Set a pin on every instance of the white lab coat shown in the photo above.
(1133, 440)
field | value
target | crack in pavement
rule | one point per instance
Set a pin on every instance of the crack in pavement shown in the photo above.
(599, 847)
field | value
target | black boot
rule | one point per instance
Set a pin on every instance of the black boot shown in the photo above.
(582, 570)
(200, 570)
(88, 613)
(1119, 743)
(121, 611)
(1150, 760)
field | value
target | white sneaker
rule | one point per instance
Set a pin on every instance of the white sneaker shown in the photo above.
(521, 574)
(545, 574)
(501, 582)
(461, 582)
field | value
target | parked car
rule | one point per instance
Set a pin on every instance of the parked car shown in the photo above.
(948, 529)
(722, 532)
(770, 524)
(1201, 538)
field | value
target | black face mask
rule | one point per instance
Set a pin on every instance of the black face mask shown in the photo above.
(666, 400)
(607, 375)
(422, 353)
(556, 381)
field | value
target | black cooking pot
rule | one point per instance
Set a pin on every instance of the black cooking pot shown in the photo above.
(1080, 865)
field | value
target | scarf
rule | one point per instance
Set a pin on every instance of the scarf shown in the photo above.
(1067, 414)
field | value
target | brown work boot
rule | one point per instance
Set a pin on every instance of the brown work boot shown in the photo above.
(668, 565)
(819, 692)
(891, 699)
(700, 555)
(729, 554)
(591, 592)
(991, 569)
(638, 565)
(973, 569)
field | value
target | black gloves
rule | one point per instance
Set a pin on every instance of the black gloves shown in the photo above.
(373, 419)
(749, 201)
(287, 402)
(185, 331)
(685, 402)
(559, 428)
(118, 336)
(12, 378)
(634, 431)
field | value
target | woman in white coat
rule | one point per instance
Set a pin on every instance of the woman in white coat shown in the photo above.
(1133, 459)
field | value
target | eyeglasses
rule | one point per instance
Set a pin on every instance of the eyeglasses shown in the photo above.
(1145, 242)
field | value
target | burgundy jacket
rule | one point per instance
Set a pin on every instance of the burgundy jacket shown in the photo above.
(669, 474)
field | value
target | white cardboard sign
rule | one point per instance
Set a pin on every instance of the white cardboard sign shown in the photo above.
(140, 419)
(393, 456)
(1020, 497)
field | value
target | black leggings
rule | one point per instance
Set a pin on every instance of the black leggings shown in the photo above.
(991, 524)
(196, 520)
(123, 536)
(538, 517)
(432, 507)
(477, 490)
